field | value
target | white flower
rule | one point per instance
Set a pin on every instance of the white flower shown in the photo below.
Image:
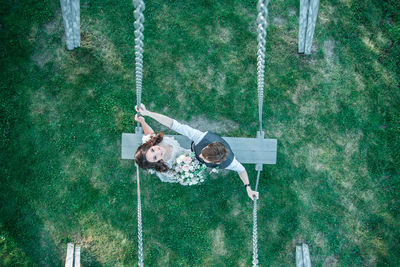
(214, 170)
(191, 175)
(146, 138)
(151, 171)
(186, 167)
(187, 160)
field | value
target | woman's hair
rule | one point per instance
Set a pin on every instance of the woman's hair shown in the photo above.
(215, 152)
(140, 155)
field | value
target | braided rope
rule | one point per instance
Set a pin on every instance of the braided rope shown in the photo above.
(139, 19)
(140, 238)
(255, 235)
(262, 33)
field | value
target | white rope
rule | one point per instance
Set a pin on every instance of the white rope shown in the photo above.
(139, 19)
(140, 237)
(262, 33)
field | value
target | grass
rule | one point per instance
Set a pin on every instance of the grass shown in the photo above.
(335, 114)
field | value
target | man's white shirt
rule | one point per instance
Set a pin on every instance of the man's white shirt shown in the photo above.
(196, 136)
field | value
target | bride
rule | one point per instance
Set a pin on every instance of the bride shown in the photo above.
(160, 153)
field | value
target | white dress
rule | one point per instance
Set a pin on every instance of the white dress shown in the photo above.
(176, 151)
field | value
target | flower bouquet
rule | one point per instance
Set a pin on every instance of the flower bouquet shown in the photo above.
(188, 170)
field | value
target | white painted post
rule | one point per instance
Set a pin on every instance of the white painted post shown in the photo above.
(71, 17)
(306, 256)
(303, 24)
(311, 21)
(299, 256)
(69, 261)
(307, 21)
(77, 256)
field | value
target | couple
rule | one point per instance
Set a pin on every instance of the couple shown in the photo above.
(162, 153)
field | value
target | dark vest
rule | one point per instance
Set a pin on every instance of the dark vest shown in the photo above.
(208, 139)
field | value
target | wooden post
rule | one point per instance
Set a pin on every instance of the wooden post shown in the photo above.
(303, 24)
(69, 261)
(312, 19)
(77, 256)
(307, 21)
(303, 256)
(71, 17)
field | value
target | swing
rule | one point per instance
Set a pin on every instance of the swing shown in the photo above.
(257, 151)
(246, 150)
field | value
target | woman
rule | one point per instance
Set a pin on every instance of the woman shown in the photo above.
(160, 152)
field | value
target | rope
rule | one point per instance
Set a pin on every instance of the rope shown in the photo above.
(140, 238)
(262, 33)
(139, 19)
(255, 235)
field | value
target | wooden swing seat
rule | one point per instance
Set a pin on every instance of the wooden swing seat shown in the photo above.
(246, 150)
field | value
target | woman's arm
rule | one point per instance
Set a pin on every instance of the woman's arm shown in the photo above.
(164, 120)
(146, 128)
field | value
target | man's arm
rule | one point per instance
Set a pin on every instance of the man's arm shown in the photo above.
(236, 166)
(164, 120)
(245, 178)
(193, 134)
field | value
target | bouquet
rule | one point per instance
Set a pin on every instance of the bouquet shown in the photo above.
(188, 170)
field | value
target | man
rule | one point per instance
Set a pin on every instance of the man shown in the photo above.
(209, 148)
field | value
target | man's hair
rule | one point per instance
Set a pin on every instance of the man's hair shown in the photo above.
(215, 152)
(140, 155)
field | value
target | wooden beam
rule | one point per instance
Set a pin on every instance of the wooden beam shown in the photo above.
(69, 261)
(77, 262)
(303, 256)
(246, 150)
(311, 21)
(71, 16)
(299, 256)
(307, 22)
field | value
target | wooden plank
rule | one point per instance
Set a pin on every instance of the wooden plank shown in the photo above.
(311, 21)
(299, 256)
(246, 150)
(71, 16)
(69, 260)
(306, 256)
(303, 24)
(77, 262)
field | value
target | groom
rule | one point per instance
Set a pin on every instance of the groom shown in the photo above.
(209, 148)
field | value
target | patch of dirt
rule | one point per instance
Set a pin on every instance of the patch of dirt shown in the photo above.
(328, 48)
(292, 11)
(279, 21)
(218, 241)
(55, 25)
(331, 261)
(41, 57)
(219, 126)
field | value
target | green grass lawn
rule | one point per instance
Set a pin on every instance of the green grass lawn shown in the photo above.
(335, 114)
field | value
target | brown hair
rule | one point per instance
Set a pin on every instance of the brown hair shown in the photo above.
(140, 155)
(215, 152)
